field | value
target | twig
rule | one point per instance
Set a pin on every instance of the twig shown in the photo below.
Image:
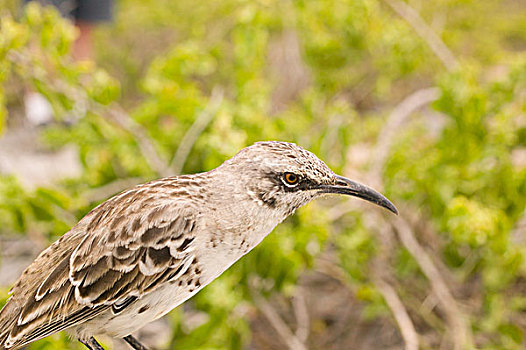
(457, 324)
(426, 307)
(65, 215)
(397, 119)
(425, 32)
(103, 192)
(113, 112)
(302, 315)
(381, 275)
(386, 138)
(146, 145)
(458, 328)
(400, 314)
(519, 231)
(331, 269)
(293, 343)
(202, 120)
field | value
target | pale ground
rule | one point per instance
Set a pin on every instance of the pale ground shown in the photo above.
(21, 155)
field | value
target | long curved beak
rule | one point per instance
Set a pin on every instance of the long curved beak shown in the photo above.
(352, 188)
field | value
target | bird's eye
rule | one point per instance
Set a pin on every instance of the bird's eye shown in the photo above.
(290, 179)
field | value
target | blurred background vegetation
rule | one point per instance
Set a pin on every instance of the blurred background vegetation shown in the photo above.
(423, 100)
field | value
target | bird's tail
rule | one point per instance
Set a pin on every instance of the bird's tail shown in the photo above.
(8, 316)
(3, 337)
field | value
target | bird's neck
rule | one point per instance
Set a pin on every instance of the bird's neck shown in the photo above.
(238, 219)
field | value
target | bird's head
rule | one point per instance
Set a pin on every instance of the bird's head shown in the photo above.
(284, 176)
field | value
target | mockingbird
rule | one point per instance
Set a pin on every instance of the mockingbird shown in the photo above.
(146, 250)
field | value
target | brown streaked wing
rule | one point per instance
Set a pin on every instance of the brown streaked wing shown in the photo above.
(146, 251)
(131, 244)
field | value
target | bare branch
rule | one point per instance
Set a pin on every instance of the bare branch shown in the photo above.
(114, 112)
(199, 125)
(397, 119)
(302, 315)
(400, 314)
(334, 271)
(519, 231)
(103, 192)
(458, 325)
(381, 274)
(293, 343)
(146, 145)
(425, 32)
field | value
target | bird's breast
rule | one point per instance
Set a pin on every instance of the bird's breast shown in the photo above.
(222, 243)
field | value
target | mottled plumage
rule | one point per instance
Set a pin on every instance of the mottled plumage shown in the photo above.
(143, 252)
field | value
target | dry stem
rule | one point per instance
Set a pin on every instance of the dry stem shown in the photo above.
(146, 145)
(197, 128)
(302, 315)
(425, 32)
(105, 191)
(457, 324)
(395, 121)
(407, 329)
(293, 343)
(458, 327)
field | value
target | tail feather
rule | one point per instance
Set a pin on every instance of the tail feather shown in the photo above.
(8, 317)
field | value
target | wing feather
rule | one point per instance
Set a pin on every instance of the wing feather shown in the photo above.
(123, 249)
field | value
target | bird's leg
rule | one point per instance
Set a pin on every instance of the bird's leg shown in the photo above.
(134, 343)
(92, 344)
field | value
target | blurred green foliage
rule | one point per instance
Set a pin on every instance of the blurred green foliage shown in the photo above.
(324, 74)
